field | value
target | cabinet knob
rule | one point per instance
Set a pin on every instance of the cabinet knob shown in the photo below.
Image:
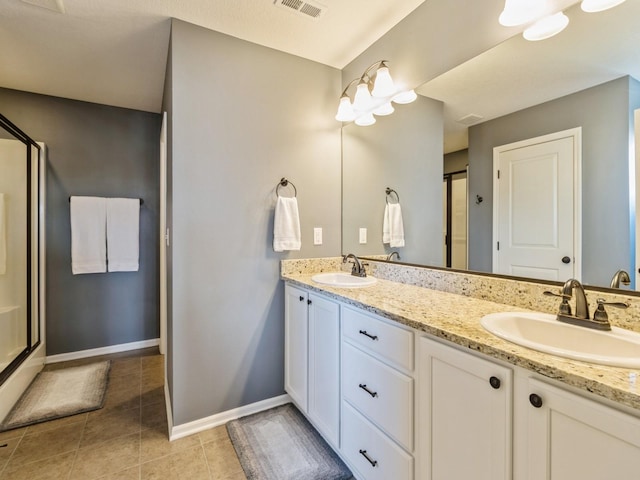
(535, 400)
(494, 382)
(301, 298)
(369, 459)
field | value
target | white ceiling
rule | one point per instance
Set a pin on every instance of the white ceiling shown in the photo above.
(517, 74)
(114, 51)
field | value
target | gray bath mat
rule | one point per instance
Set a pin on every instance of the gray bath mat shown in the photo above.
(281, 444)
(60, 393)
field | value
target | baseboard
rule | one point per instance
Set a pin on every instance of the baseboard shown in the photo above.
(186, 429)
(123, 347)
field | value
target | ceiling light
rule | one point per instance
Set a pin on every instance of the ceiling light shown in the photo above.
(519, 12)
(592, 6)
(546, 27)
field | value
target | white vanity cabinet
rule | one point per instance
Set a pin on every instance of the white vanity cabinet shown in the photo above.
(564, 436)
(312, 358)
(464, 415)
(378, 396)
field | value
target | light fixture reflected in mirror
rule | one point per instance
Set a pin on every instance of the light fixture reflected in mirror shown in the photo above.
(546, 27)
(592, 6)
(520, 12)
(373, 96)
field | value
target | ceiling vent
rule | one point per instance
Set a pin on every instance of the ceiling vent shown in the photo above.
(470, 119)
(303, 7)
(53, 5)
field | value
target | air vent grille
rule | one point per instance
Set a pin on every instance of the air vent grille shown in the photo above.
(470, 119)
(307, 8)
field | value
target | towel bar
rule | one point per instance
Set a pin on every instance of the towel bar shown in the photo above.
(141, 201)
(283, 183)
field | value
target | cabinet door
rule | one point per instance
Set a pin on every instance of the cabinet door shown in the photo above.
(465, 415)
(296, 347)
(571, 437)
(324, 367)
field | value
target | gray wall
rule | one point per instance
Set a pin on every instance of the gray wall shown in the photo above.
(243, 116)
(104, 151)
(603, 114)
(402, 151)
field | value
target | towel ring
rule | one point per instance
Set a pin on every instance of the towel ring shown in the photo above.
(283, 183)
(389, 191)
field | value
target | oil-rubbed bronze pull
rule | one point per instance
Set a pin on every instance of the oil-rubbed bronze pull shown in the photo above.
(364, 387)
(372, 462)
(301, 298)
(366, 334)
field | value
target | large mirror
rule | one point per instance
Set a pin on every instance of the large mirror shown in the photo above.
(437, 154)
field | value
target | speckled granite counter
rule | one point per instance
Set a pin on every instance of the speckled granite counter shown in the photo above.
(456, 318)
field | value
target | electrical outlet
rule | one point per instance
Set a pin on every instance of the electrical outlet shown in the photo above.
(363, 236)
(317, 236)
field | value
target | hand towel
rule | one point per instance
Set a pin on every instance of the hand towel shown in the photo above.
(123, 234)
(392, 226)
(88, 230)
(3, 236)
(286, 225)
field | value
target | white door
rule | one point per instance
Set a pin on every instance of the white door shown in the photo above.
(537, 207)
(164, 236)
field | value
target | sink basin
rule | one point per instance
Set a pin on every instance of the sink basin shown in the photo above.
(542, 332)
(343, 279)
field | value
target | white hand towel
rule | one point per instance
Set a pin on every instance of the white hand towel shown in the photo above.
(396, 227)
(3, 236)
(286, 225)
(123, 234)
(386, 232)
(88, 230)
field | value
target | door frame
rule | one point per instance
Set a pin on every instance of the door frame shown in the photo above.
(163, 236)
(576, 134)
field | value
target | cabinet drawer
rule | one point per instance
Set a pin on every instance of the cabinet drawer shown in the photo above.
(392, 343)
(370, 452)
(382, 394)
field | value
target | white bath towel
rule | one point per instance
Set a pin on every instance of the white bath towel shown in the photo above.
(88, 235)
(392, 226)
(123, 234)
(3, 236)
(286, 225)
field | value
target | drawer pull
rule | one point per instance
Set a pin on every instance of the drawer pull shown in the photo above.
(372, 462)
(364, 387)
(372, 337)
(301, 298)
(535, 400)
(309, 302)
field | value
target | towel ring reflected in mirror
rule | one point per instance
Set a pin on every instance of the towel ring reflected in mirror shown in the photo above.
(284, 183)
(389, 191)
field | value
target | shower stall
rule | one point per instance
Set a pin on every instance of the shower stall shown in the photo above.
(22, 350)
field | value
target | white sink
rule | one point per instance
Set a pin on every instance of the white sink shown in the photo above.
(343, 279)
(542, 332)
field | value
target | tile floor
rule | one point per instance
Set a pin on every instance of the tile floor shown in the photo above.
(125, 440)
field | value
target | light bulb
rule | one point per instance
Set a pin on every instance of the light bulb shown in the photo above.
(519, 12)
(546, 27)
(362, 98)
(365, 120)
(345, 110)
(405, 97)
(383, 85)
(384, 109)
(592, 6)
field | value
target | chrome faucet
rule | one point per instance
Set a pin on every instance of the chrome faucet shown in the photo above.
(620, 277)
(391, 255)
(358, 268)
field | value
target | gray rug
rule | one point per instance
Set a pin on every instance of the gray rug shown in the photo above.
(280, 444)
(60, 393)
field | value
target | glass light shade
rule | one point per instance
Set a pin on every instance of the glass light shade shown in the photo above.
(345, 110)
(519, 12)
(362, 98)
(546, 27)
(405, 97)
(383, 85)
(592, 6)
(384, 109)
(365, 120)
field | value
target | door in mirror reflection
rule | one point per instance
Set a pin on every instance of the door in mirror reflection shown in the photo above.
(535, 207)
(454, 201)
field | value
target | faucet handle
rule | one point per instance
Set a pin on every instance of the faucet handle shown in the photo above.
(565, 308)
(600, 315)
(559, 295)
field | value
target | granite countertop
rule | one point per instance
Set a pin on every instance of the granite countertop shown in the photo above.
(456, 318)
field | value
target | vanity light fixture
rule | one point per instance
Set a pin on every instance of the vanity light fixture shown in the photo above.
(374, 94)
(592, 6)
(546, 27)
